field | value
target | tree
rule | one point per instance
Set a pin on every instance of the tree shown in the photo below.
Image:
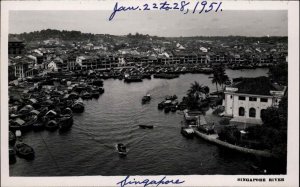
(279, 73)
(273, 133)
(219, 76)
(196, 90)
(195, 94)
(215, 80)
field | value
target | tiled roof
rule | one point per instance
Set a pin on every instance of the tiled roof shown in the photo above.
(257, 86)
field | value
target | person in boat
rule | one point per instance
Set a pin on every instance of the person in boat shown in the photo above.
(122, 149)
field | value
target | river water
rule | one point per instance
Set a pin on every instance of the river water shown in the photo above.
(89, 147)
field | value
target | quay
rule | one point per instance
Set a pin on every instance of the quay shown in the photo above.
(214, 139)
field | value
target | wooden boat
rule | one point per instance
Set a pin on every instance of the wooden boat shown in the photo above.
(161, 105)
(51, 125)
(38, 126)
(187, 132)
(101, 90)
(51, 114)
(73, 95)
(98, 82)
(133, 78)
(12, 155)
(146, 126)
(146, 76)
(67, 111)
(121, 148)
(95, 93)
(167, 109)
(24, 151)
(86, 95)
(166, 76)
(65, 123)
(78, 106)
(28, 125)
(15, 124)
(12, 138)
(146, 98)
(173, 108)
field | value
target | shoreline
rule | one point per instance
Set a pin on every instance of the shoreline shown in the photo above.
(213, 139)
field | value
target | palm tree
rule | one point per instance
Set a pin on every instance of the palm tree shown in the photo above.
(194, 94)
(216, 80)
(196, 90)
(219, 77)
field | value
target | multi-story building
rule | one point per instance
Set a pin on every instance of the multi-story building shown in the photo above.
(15, 46)
(246, 99)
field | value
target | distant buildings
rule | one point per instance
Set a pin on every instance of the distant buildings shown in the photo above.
(120, 51)
(15, 46)
(247, 98)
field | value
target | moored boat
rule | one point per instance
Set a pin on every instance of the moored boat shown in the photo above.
(78, 106)
(86, 95)
(161, 105)
(38, 126)
(167, 109)
(12, 155)
(24, 151)
(65, 123)
(12, 138)
(187, 132)
(51, 125)
(95, 94)
(133, 78)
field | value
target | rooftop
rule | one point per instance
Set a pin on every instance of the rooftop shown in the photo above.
(256, 86)
(14, 39)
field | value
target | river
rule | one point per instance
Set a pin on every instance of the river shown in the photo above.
(89, 147)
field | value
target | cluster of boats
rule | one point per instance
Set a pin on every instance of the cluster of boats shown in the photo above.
(170, 103)
(18, 148)
(47, 104)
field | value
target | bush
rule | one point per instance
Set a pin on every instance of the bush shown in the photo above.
(224, 121)
(230, 134)
(219, 110)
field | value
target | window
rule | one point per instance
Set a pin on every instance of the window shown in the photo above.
(231, 97)
(252, 98)
(264, 100)
(242, 98)
(241, 111)
(252, 112)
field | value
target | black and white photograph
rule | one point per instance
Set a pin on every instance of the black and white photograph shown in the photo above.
(192, 88)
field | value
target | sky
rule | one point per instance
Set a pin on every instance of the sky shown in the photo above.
(158, 23)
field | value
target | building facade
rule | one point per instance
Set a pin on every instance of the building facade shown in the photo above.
(247, 106)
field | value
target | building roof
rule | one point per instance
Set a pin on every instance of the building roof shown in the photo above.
(14, 39)
(256, 86)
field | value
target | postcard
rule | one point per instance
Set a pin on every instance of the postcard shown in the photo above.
(142, 93)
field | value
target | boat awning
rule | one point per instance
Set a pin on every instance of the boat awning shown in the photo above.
(189, 131)
(51, 112)
(35, 112)
(27, 108)
(32, 100)
(19, 121)
(168, 101)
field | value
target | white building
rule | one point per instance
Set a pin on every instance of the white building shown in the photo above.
(245, 100)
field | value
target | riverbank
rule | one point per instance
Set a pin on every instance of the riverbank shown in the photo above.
(214, 139)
